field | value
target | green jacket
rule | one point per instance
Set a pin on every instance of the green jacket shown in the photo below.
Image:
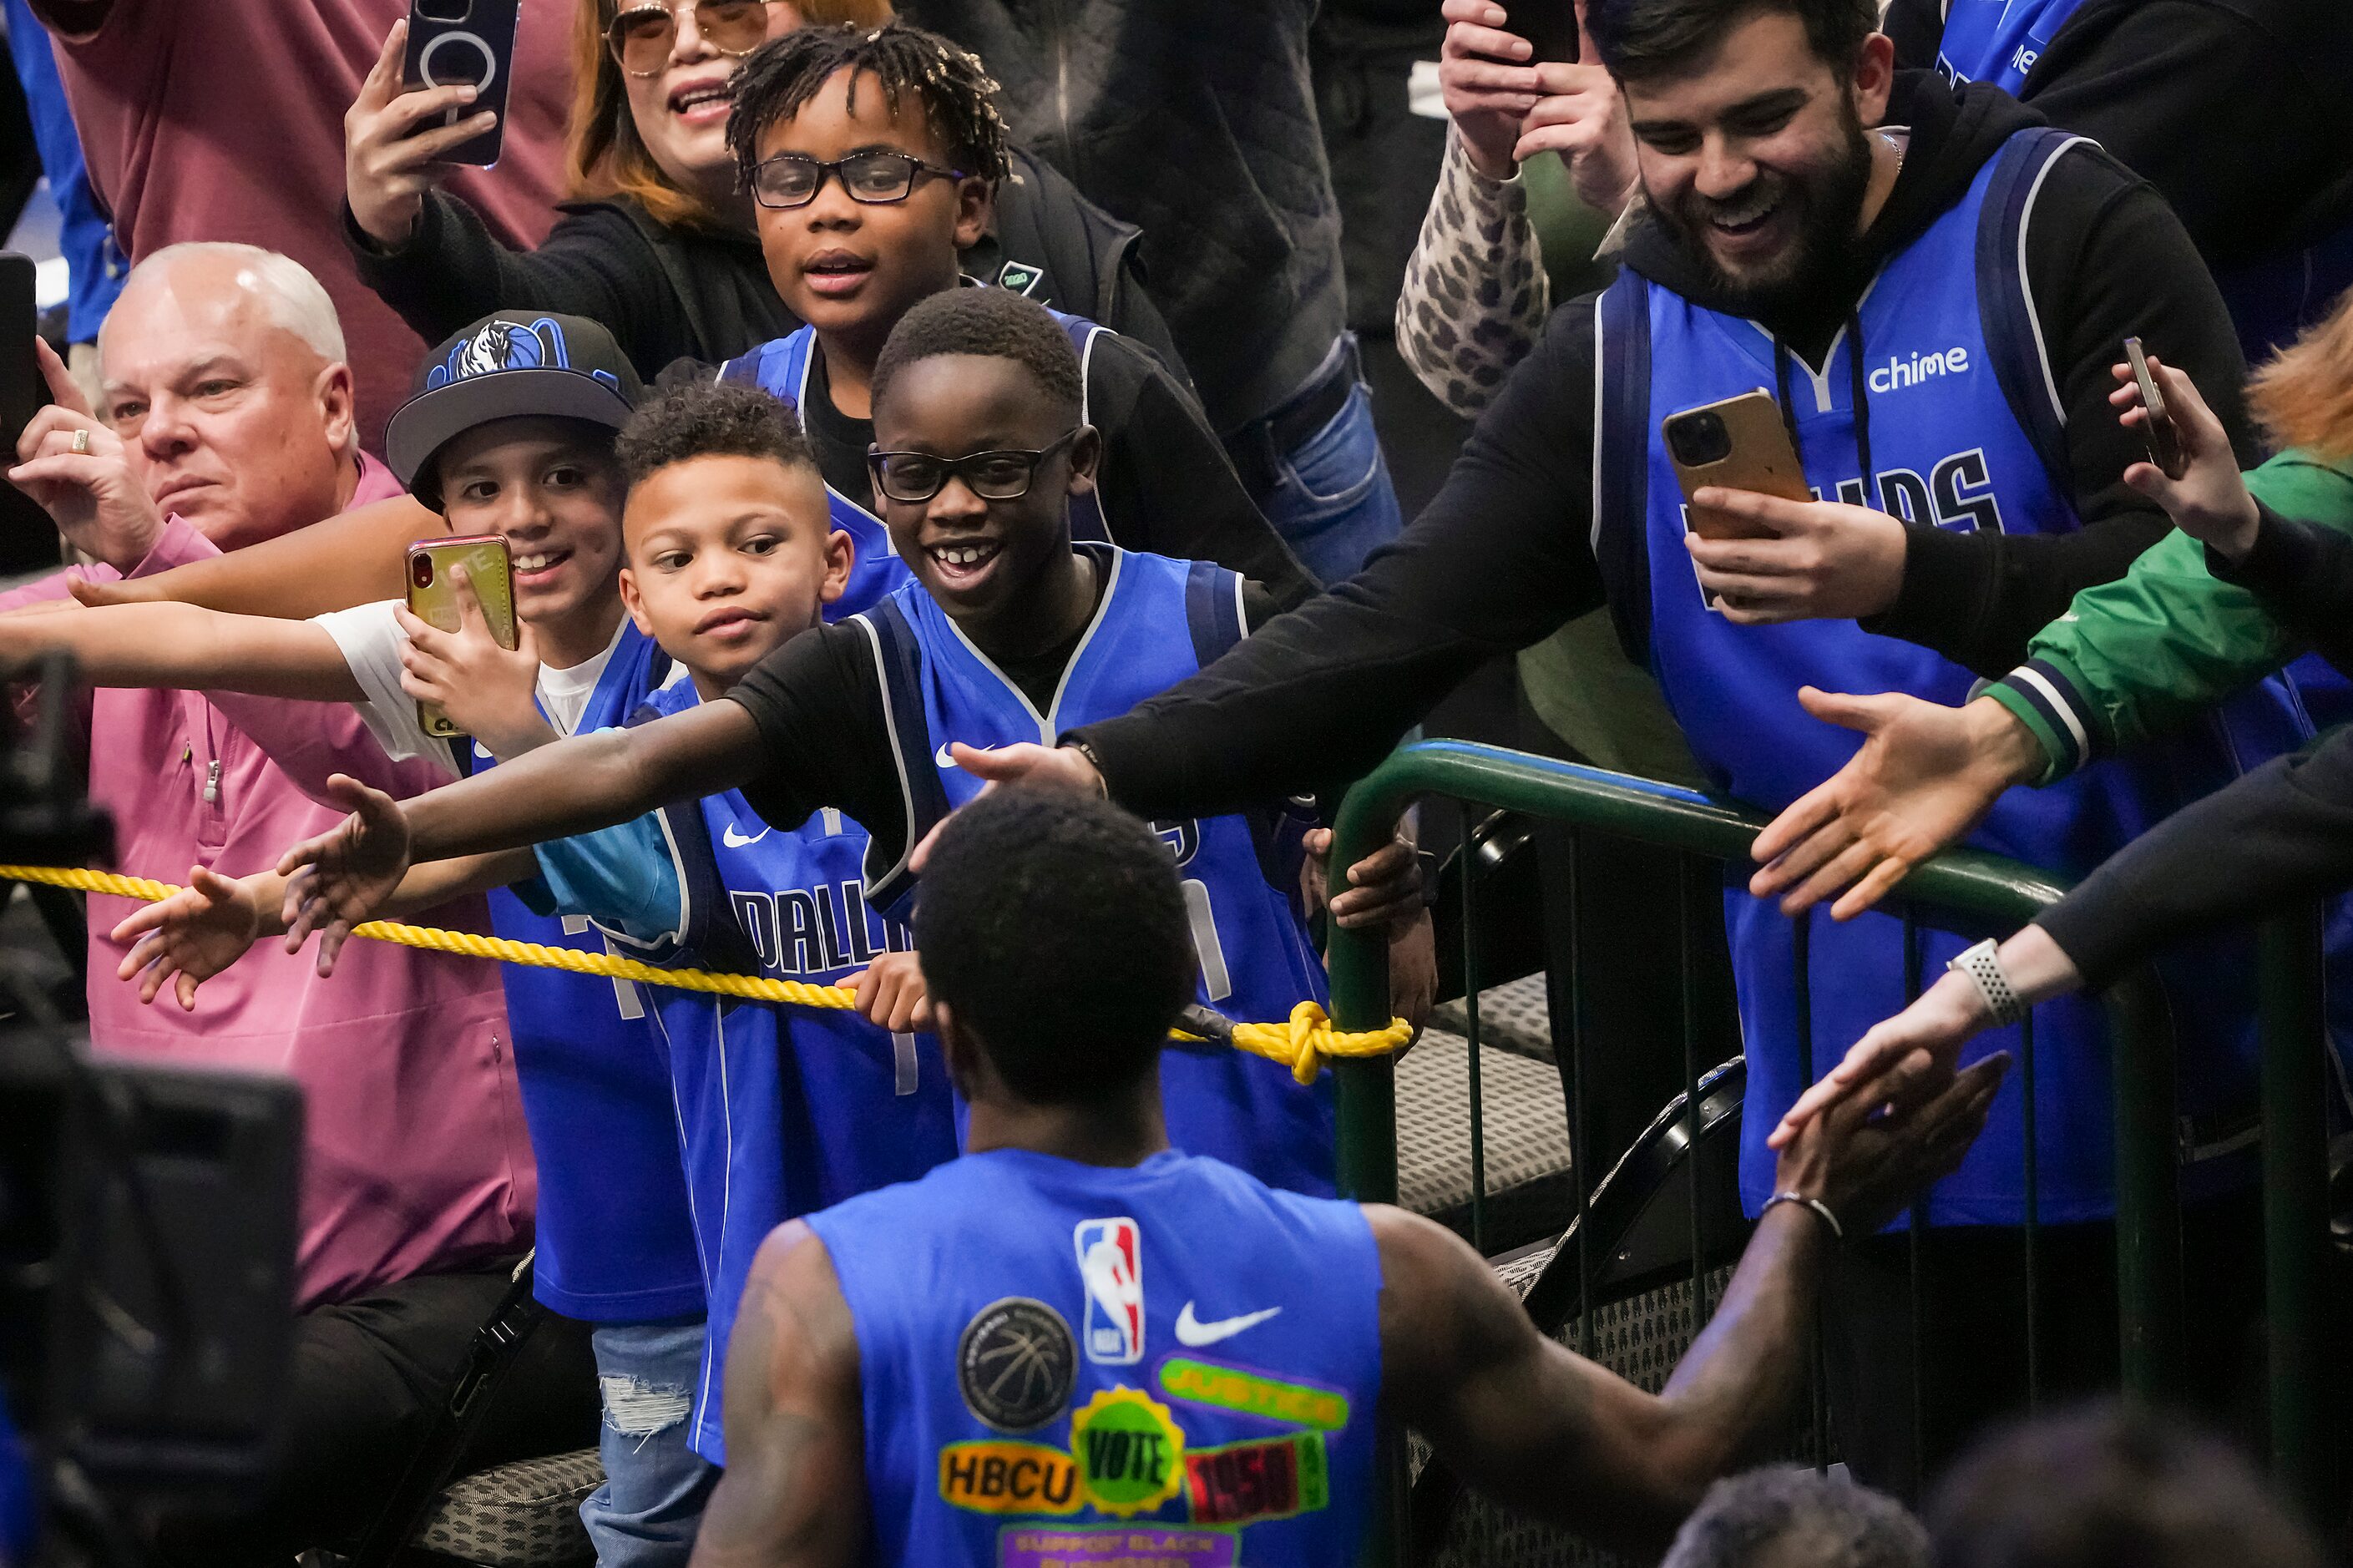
(2167, 640)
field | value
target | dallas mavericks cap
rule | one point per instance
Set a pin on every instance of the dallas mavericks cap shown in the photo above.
(510, 364)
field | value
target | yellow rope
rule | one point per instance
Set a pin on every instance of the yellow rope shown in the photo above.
(1304, 1043)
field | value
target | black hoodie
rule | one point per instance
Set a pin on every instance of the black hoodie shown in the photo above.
(1504, 554)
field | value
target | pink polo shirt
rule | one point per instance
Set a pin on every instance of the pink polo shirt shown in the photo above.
(415, 1153)
(224, 120)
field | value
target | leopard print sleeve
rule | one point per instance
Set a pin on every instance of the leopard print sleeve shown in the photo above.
(1475, 294)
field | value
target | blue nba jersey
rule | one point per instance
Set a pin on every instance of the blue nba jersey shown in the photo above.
(614, 1237)
(781, 368)
(781, 1110)
(1159, 621)
(2273, 299)
(1077, 1364)
(1958, 412)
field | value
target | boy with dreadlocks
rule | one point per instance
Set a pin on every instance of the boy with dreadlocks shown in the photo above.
(874, 156)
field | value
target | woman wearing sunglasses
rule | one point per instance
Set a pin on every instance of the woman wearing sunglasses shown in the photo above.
(656, 241)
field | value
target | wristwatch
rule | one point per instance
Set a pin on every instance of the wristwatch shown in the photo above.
(1982, 964)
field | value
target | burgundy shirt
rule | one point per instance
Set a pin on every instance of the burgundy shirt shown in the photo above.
(223, 119)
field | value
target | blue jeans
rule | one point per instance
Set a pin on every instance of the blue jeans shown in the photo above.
(646, 1513)
(1332, 500)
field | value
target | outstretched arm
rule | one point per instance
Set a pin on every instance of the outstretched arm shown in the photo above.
(183, 645)
(796, 1431)
(353, 558)
(574, 786)
(1549, 1432)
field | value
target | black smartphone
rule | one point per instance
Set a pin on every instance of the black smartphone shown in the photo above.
(1550, 26)
(2157, 432)
(455, 43)
(23, 390)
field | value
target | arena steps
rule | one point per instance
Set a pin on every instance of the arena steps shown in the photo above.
(1513, 1017)
(1529, 1190)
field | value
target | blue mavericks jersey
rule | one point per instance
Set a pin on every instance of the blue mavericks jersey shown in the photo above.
(781, 368)
(615, 1242)
(2272, 299)
(781, 1110)
(1069, 1364)
(1949, 359)
(1159, 621)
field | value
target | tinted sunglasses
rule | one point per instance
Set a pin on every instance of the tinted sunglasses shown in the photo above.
(643, 37)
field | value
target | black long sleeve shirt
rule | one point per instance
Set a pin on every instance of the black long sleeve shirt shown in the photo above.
(1502, 556)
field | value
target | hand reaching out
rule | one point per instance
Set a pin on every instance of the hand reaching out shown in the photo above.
(198, 932)
(892, 993)
(488, 690)
(341, 879)
(1880, 1140)
(2210, 501)
(1926, 775)
(1048, 767)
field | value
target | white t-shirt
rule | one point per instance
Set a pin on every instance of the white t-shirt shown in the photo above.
(371, 642)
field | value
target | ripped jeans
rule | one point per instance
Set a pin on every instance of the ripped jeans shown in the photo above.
(644, 1514)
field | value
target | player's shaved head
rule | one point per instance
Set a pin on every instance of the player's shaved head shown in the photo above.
(1052, 926)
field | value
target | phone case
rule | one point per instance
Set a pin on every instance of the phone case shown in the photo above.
(1759, 457)
(455, 41)
(1548, 25)
(433, 598)
(2158, 433)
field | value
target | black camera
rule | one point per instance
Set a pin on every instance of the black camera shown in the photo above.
(1698, 438)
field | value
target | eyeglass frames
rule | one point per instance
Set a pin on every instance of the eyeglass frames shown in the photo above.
(874, 178)
(912, 477)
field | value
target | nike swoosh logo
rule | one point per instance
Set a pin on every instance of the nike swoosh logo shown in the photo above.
(735, 840)
(942, 757)
(1191, 1332)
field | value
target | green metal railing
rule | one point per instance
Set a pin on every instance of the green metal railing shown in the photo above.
(1968, 889)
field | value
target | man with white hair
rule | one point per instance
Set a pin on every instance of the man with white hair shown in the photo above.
(232, 422)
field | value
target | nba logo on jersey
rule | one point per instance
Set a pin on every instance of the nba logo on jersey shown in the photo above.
(1111, 1263)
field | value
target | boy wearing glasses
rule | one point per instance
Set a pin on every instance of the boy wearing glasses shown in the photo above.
(1012, 633)
(873, 157)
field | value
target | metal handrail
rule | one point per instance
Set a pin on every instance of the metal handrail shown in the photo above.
(1979, 889)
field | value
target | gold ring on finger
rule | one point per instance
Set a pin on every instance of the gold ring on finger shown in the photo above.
(81, 442)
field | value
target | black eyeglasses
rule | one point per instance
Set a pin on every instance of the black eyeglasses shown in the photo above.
(790, 180)
(643, 37)
(991, 476)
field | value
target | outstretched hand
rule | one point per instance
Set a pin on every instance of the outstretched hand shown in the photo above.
(196, 933)
(344, 875)
(2210, 501)
(1050, 767)
(1945, 1018)
(1926, 775)
(1879, 1141)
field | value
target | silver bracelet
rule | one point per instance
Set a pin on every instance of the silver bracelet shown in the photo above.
(1816, 1204)
(1982, 964)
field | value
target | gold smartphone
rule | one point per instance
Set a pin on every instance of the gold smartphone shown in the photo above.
(433, 596)
(2157, 432)
(1738, 444)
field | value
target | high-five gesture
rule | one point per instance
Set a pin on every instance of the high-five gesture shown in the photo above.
(389, 162)
(75, 466)
(1926, 776)
(188, 938)
(344, 875)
